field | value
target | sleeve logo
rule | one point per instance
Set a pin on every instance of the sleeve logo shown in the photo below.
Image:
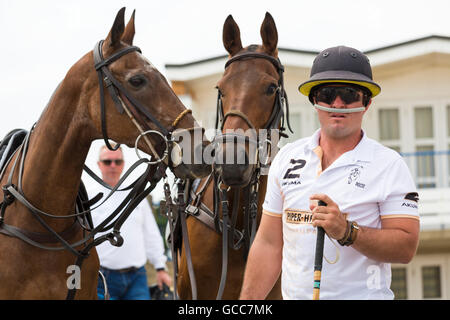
(413, 196)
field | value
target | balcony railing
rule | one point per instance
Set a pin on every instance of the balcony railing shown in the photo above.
(430, 169)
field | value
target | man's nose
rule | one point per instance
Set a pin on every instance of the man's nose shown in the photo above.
(338, 103)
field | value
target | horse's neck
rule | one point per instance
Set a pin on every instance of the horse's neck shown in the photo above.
(58, 147)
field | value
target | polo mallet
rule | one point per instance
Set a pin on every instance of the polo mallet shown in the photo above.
(318, 258)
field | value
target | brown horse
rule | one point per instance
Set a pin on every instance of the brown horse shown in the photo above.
(57, 149)
(248, 98)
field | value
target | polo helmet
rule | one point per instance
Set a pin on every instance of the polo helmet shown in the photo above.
(340, 64)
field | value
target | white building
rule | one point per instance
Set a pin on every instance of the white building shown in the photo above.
(411, 115)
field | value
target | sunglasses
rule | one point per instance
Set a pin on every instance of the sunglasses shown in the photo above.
(349, 95)
(107, 162)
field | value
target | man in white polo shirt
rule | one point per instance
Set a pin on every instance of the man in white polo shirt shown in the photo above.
(371, 198)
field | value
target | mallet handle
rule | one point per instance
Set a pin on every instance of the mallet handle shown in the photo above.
(318, 258)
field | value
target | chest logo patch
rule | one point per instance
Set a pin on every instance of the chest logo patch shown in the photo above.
(354, 174)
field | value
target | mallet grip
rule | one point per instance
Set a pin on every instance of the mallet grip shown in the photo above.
(318, 258)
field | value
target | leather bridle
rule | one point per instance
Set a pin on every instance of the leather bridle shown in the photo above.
(124, 101)
(281, 98)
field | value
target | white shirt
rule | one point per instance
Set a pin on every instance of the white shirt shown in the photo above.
(369, 183)
(142, 238)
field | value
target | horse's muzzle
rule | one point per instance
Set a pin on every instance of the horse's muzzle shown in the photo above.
(193, 165)
(236, 169)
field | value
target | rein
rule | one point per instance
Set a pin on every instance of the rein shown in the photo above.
(137, 194)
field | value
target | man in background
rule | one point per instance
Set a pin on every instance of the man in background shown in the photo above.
(124, 266)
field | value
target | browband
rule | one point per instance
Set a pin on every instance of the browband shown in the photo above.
(275, 61)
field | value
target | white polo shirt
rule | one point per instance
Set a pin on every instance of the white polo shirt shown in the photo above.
(369, 183)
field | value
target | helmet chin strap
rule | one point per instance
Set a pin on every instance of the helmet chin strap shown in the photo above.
(340, 110)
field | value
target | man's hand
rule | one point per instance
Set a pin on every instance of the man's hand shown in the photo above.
(328, 217)
(163, 277)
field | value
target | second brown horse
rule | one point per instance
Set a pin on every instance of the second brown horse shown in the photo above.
(248, 93)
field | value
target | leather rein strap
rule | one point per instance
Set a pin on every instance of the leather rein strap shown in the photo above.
(136, 195)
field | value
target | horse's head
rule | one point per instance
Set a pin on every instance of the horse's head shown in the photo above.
(137, 105)
(249, 98)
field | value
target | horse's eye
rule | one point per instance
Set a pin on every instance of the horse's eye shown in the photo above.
(271, 89)
(137, 81)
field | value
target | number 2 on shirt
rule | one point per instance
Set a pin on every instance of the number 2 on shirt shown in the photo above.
(296, 165)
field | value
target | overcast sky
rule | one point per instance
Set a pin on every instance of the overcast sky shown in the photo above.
(41, 40)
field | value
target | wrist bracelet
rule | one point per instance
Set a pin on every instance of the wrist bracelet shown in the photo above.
(355, 231)
(346, 234)
(351, 234)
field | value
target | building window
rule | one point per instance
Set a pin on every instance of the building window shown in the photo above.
(389, 128)
(425, 164)
(425, 167)
(389, 124)
(423, 122)
(448, 121)
(431, 282)
(398, 284)
(448, 147)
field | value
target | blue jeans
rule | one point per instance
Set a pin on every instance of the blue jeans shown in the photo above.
(130, 285)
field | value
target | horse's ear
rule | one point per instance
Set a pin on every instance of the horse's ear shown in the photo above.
(113, 38)
(231, 36)
(269, 34)
(128, 34)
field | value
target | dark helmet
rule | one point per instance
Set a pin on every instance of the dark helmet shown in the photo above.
(340, 65)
